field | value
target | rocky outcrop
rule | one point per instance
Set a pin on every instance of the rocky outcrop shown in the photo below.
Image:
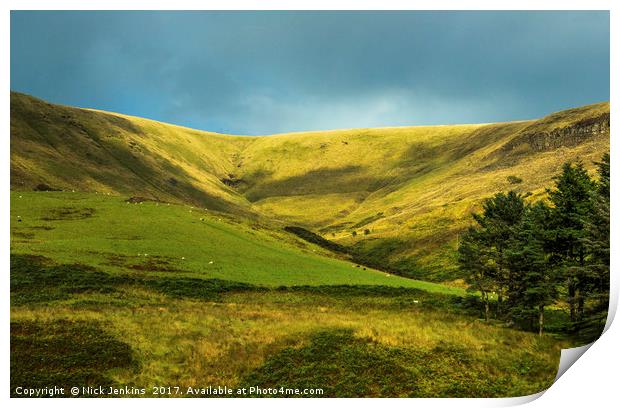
(571, 135)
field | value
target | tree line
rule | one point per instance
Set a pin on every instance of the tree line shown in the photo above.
(524, 256)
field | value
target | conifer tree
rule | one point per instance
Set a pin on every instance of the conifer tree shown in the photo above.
(597, 243)
(482, 253)
(499, 219)
(478, 266)
(532, 254)
(535, 282)
(572, 199)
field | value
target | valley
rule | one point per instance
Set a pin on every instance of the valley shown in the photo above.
(177, 257)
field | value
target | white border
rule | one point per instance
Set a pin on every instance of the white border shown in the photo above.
(593, 379)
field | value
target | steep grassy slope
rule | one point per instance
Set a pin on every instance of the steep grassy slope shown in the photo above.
(77, 149)
(401, 195)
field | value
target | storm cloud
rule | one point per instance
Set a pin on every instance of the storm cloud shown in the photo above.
(269, 72)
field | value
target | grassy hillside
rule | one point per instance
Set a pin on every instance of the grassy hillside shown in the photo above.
(76, 149)
(160, 239)
(401, 195)
(413, 189)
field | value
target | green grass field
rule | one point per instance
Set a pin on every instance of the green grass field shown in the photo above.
(106, 231)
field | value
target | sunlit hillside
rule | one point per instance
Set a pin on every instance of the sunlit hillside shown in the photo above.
(402, 194)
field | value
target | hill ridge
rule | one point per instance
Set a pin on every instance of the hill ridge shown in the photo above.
(308, 132)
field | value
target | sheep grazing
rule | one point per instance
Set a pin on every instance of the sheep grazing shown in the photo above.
(183, 258)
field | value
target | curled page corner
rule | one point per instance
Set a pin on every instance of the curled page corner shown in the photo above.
(568, 358)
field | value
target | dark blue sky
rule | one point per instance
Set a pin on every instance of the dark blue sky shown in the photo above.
(268, 72)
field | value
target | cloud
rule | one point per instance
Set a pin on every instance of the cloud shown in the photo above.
(376, 108)
(266, 72)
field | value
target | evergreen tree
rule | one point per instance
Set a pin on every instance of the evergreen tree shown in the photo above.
(478, 266)
(535, 282)
(530, 254)
(482, 252)
(604, 176)
(500, 217)
(596, 242)
(572, 200)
